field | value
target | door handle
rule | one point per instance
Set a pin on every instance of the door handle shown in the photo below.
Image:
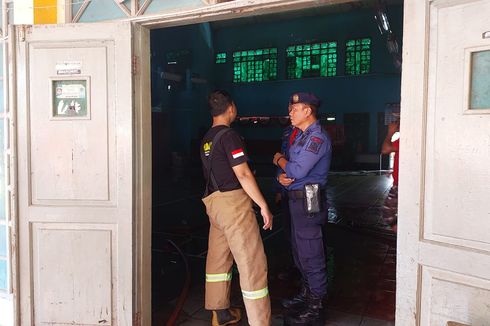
(486, 35)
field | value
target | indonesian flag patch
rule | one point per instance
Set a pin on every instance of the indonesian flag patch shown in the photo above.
(237, 153)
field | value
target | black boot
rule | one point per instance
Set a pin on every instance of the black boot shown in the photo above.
(225, 317)
(311, 315)
(299, 300)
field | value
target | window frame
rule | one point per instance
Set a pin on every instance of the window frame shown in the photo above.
(253, 63)
(220, 60)
(346, 73)
(320, 54)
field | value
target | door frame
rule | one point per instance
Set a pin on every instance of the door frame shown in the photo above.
(244, 8)
(142, 131)
(412, 160)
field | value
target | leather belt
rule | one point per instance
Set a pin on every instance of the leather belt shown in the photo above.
(300, 194)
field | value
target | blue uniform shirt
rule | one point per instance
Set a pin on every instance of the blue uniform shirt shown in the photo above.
(309, 158)
(285, 139)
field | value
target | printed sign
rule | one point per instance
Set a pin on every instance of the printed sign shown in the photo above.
(68, 68)
(70, 98)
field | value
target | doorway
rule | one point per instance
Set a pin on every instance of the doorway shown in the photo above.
(187, 62)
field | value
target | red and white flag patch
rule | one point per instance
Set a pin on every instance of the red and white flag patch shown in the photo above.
(237, 153)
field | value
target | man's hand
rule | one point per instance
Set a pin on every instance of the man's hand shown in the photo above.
(284, 180)
(267, 216)
(276, 158)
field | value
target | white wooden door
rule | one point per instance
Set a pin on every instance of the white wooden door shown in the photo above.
(443, 271)
(80, 155)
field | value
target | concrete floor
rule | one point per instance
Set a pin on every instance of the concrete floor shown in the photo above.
(361, 250)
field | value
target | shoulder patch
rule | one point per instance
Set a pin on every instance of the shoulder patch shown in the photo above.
(314, 144)
(207, 148)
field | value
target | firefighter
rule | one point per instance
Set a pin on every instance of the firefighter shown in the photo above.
(305, 178)
(234, 232)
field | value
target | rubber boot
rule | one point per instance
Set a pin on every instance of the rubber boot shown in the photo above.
(311, 315)
(298, 301)
(225, 317)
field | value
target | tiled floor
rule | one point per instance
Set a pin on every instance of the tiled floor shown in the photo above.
(361, 251)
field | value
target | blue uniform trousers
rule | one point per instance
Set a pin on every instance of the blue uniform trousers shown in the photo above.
(307, 245)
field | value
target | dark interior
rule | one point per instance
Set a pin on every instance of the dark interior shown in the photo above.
(360, 91)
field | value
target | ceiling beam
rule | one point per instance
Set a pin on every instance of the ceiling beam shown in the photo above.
(230, 10)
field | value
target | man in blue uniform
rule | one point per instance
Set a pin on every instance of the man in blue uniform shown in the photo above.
(281, 197)
(305, 178)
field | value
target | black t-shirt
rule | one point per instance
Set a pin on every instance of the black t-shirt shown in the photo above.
(230, 152)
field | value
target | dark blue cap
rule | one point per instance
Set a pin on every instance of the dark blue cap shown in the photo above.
(307, 98)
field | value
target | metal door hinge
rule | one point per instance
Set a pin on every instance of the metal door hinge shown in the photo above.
(137, 319)
(23, 30)
(135, 65)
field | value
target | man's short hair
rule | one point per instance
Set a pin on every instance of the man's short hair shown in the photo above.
(314, 109)
(219, 101)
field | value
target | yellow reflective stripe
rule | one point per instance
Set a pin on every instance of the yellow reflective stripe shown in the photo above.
(254, 295)
(225, 277)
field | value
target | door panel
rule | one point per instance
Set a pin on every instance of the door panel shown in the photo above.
(443, 268)
(454, 297)
(458, 139)
(63, 284)
(78, 203)
(80, 168)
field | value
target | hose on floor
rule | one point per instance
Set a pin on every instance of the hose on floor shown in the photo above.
(185, 289)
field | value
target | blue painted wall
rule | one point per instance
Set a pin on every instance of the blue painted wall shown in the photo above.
(185, 102)
(340, 94)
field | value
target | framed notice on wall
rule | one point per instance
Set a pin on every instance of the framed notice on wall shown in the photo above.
(70, 98)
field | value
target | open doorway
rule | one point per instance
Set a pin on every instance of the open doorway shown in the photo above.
(337, 52)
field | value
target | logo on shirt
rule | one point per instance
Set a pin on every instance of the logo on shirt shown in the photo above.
(237, 153)
(207, 148)
(314, 144)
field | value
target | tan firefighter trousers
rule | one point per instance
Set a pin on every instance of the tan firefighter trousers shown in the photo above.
(234, 233)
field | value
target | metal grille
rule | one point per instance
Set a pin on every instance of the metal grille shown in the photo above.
(358, 56)
(255, 65)
(311, 60)
(220, 58)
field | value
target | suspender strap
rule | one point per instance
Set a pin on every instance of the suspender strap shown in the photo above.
(207, 162)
